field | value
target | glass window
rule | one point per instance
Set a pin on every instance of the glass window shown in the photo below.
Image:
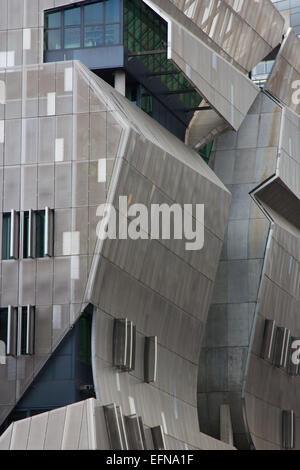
(93, 36)
(112, 34)
(72, 16)
(89, 25)
(72, 38)
(53, 20)
(23, 330)
(94, 14)
(112, 11)
(85, 326)
(40, 234)
(26, 234)
(53, 39)
(3, 324)
(6, 233)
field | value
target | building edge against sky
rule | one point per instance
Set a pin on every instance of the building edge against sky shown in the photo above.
(101, 99)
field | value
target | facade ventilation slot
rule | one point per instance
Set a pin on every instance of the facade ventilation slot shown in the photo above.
(135, 432)
(158, 438)
(14, 235)
(115, 427)
(124, 345)
(11, 341)
(268, 340)
(282, 341)
(26, 320)
(288, 429)
(150, 359)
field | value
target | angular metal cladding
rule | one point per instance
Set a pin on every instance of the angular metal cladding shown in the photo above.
(158, 285)
(85, 426)
(257, 282)
(244, 33)
(283, 82)
(155, 285)
(223, 86)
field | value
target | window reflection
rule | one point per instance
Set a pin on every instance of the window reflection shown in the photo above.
(89, 25)
(72, 38)
(72, 16)
(112, 11)
(94, 14)
(53, 40)
(93, 36)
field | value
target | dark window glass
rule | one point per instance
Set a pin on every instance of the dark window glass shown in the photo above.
(53, 20)
(3, 324)
(72, 16)
(23, 330)
(38, 411)
(112, 11)
(40, 234)
(85, 325)
(26, 234)
(94, 14)
(6, 232)
(53, 39)
(112, 34)
(93, 36)
(72, 38)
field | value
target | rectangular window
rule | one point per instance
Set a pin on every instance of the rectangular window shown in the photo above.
(26, 330)
(92, 24)
(93, 36)
(3, 325)
(112, 34)
(72, 38)
(72, 16)
(53, 40)
(40, 234)
(52, 37)
(8, 332)
(26, 235)
(85, 325)
(112, 10)
(6, 235)
(10, 235)
(53, 20)
(94, 13)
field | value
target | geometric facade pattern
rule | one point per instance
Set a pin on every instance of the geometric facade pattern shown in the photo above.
(70, 142)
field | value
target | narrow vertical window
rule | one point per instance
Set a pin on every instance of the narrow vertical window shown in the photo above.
(3, 325)
(26, 330)
(26, 235)
(10, 235)
(53, 31)
(40, 234)
(6, 235)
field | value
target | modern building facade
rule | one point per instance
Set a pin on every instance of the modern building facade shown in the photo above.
(101, 339)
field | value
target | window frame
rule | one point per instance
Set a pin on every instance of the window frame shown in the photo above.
(82, 26)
